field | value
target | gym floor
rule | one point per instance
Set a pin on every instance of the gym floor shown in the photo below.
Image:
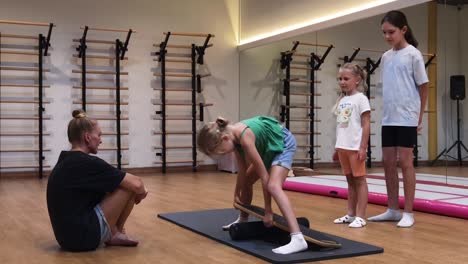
(27, 237)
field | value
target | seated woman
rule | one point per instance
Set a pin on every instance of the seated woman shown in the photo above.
(89, 200)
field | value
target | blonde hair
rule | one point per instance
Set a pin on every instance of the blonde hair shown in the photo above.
(211, 135)
(356, 70)
(80, 124)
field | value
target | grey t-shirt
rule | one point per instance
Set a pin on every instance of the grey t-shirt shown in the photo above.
(402, 72)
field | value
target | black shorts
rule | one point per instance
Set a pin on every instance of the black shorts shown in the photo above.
(399, 136)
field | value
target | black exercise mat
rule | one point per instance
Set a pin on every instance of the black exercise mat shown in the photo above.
(208, 223)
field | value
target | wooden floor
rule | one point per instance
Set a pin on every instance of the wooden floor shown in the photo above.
(26, 235)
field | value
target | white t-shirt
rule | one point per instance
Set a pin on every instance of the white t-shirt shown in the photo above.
(348, 118)
(402, 72)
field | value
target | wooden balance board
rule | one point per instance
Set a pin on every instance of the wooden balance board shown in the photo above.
(310, 235)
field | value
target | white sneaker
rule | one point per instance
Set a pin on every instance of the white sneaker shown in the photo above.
(358, 222)
(343, 220)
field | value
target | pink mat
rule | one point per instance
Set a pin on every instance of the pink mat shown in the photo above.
(435, 207)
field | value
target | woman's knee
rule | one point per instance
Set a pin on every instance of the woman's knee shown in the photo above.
(125, 194)
(116, 200)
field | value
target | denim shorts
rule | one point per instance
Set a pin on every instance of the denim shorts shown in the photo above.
(106, 233)
(285, 159)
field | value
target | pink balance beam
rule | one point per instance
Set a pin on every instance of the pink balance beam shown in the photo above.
(428, 206)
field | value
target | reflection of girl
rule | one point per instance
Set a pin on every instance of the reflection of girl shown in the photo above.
(404, 81)
(264, 150)
(352, 133)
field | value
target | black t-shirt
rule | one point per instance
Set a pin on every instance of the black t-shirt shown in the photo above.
(76, 185)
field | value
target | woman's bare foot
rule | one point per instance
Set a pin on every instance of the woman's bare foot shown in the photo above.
(121, 239)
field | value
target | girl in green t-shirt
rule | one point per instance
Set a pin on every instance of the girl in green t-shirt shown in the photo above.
(264, 150)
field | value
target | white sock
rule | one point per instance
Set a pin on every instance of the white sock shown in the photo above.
(238, 220)
(296, 244)
(407, 220)
(389, 215)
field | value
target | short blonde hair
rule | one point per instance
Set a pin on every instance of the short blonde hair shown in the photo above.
(211, 135)
(80, 124)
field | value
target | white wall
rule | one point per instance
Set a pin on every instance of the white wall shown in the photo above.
(260, 75)
(150, 19)
(261, 16)
(264, 22)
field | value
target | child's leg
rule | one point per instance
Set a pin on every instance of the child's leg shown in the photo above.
(392, 184)
(409, 180)
(359, 184)
(361, 189)
(352, 195)
(391, 176)
(275, 186)
(344, 157)
(409, 176)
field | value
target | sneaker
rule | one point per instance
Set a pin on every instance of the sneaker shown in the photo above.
(358, 222)
(343, 220)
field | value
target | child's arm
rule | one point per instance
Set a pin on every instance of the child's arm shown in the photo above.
(335, 156)
(241, 177)
(423, 95)
(365, 124)
(248, 145)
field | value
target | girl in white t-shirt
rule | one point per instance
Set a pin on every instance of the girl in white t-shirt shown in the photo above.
(404, 93)
(352, 112)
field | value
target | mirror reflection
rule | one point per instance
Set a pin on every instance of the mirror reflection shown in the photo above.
(441, 30)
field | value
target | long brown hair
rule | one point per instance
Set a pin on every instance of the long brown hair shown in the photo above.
(398, 19)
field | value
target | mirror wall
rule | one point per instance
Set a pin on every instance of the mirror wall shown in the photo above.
(262, 86)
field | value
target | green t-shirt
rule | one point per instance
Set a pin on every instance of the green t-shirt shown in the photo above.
(268, 137)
